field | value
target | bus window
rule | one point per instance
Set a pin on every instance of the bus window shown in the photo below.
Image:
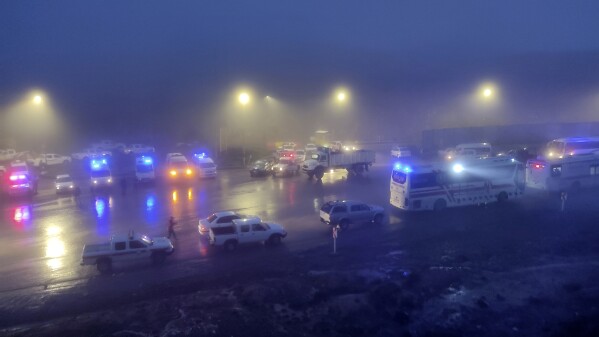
(424, 180)
(399, 177)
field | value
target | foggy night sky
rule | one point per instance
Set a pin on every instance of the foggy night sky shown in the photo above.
(103, 61)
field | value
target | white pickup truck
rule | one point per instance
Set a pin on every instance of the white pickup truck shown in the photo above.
(324, 159)
(244, 231)
(126, 249)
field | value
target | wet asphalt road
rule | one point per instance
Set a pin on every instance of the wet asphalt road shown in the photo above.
(41, 240)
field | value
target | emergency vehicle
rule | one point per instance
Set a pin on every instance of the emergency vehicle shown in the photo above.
(206, 168)
(563, 174)
(471, 182)
(20, 180)
(178, 168)
(100, 174)
(570, 146)
(144, 169)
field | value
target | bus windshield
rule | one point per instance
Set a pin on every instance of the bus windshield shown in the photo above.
(399, 177)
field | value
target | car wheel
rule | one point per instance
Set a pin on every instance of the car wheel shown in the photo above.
(378, 219)
(344, 224)
(274, 240)
(104, 266)
(230, 246)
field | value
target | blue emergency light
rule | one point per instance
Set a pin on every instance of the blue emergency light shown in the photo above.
(97, 164)
(148, 161)
(200, 155)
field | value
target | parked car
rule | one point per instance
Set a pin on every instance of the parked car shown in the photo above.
(261, 168)
(300, 155)
(346, 212)
(50, 159)
(132, 248)
(310, 147)
(246, 231)
(7, 154)
(223, 218)
(90, 153)
(286, 167)
(139, 149)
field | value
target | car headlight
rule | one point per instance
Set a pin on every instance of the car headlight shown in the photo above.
(188, 171)
(109, 180)
(173, 173)
(280, 169)
(70, 186)
(95, 181)
(57, 187)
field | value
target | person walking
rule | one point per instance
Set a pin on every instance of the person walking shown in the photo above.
(171, 227)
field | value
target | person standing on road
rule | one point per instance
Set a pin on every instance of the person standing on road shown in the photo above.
(171, 227)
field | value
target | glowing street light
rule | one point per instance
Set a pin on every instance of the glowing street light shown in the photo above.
(487, 92)
(244, 98)
(341, 96)
(38, 99)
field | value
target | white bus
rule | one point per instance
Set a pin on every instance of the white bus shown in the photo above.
(473, 182)
(570, 146)
(563, 174)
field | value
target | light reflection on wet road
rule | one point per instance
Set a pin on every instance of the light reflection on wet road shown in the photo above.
(41, 241)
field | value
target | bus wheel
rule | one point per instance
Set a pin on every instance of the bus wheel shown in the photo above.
(440, 205)
(502, 197)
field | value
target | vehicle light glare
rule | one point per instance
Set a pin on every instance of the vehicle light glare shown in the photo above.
(457, 168)
(173, 173)
(188, 171)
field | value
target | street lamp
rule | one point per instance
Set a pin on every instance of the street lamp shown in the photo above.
(341, 96)
(243, 98)
(38, 99)
(487, 92)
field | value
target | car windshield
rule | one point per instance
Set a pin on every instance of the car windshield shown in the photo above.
(211, 218)
(100, 173)
(326, 207)
(63, 179)
(179, 164)
(144, 168)
(207, 165)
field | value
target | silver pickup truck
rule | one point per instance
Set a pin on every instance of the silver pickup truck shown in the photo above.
(132, 248)
(246, 231)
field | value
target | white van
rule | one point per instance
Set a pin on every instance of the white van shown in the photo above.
(206, 167)
(144, 169)
(570, 146)
(471, 150)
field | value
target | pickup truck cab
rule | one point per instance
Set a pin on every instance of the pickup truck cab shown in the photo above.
(246, 231)
(126, 249)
